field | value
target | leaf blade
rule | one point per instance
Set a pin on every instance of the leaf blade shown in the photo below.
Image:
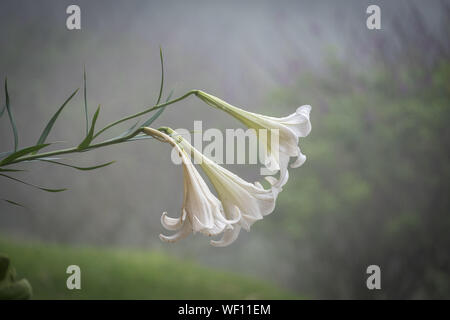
(141, 137)
(85, 143)
(32, 185)
(157, 113)
(11, 117)
(10, 170)
(52, 121)
(23, 152)
(80, 168)
(125, 133)
(85, 101)
(14, 203)
(162, 76)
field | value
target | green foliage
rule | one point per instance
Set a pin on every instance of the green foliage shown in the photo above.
(80, 168)
(23, 152)
(161, 87)
(32, 185)
(157, 113)
(10, 287)
(52, 121)
(160, 111)
(89, 137)
(11, 118)
(129, 274)
(31, 153)
(14, 203)
(85, 101)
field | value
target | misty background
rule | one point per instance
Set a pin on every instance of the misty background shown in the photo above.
(375, 186)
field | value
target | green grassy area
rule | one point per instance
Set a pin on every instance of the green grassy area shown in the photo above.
(127, 274)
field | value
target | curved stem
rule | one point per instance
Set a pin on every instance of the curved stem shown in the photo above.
(76, 149)
(158, 106)
(44, 155)
(107, 142)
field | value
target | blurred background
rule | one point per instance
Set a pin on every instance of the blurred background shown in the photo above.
(374, 189)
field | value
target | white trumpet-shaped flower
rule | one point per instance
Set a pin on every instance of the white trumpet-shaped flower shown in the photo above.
(202, 211)
(242, 201)
(288, 130)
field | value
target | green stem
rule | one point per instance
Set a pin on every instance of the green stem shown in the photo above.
(104, 143)
(76, 149)
(158, 106)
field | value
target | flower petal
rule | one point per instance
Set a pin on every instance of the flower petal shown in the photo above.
(229, 236)
(183, 233)
(172, 223)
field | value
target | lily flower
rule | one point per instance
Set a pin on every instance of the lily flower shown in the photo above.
(288, 130)
(202, 211)
(242, 201)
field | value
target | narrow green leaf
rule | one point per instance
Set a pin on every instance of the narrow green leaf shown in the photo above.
(50, 124)
(170, 95)
(127, 132)
(130, 130)
(140, 137)
(23, 152)
(85, 143)
(80, 168)
(85, 101)
(153, 118)
(11, 118)
(3, 111)
(45, 158)
(10, 170)
(32, 185)
(162, 76)
(14, 203)
(157, 113)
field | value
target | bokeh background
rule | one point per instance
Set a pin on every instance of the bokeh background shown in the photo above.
(374, 190)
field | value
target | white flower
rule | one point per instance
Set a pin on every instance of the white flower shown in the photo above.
(241, 201)
(288, 129)
(202, 211)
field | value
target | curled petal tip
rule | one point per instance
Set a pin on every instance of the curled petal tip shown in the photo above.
(301, 158)
(165, 238)
(171, 223)
(229, 236)
(304, 109)
(175, 237)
